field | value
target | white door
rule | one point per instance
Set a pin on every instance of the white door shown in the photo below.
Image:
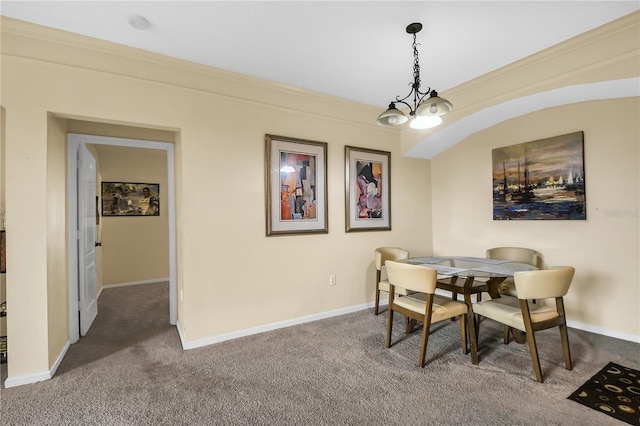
(87, 274)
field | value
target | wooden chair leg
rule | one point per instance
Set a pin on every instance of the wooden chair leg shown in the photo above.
(425, 338)
(389, 326)
(505, 334)
(533, 349)
(564, 336)
(531, 339)
(375, 311)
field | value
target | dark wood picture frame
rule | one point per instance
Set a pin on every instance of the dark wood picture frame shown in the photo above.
(367, 189)
(295, 186)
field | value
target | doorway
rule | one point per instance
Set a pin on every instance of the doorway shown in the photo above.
(74, 143)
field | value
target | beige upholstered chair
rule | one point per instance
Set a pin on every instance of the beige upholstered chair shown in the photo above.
(515, 254)
(382, 255)
(423, 305)
(523, 315)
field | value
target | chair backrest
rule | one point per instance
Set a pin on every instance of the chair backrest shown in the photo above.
(389, 253)
(517, 254)
(412, 277)
(544, 284)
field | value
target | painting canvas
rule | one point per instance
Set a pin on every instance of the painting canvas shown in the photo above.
(367, 195)
(540, 180)
(296, 188)
(130, 199)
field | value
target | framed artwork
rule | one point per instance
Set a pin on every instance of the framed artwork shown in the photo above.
(296, 186)
(368, 189)
(540, 180)
(130, 199)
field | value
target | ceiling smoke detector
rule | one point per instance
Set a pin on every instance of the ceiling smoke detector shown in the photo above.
(138, 22)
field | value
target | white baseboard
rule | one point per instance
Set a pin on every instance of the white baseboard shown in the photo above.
(603, 331)
(302, 320)
(38, 377)
(269, 327)
(180, 334)
(158, 281)
(572, 324)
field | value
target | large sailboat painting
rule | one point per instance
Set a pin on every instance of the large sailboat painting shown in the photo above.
(540, 180)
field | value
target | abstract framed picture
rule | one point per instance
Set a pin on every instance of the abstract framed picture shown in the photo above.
(130, 199)
(540, 180)
(296, 186)
(367, 189)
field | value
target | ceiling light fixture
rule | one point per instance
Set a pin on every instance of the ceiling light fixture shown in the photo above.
(425, 112)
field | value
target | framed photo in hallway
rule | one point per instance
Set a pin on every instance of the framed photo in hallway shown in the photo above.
(130, 199)
(296, 186)
(367, 189)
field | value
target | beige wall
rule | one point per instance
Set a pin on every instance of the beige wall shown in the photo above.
(56, 226)
(604, 249)
(227, 268)
(134, 248)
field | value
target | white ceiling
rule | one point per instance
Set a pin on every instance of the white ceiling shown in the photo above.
(358, 50)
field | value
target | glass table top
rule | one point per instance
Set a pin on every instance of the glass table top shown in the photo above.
(461, 266)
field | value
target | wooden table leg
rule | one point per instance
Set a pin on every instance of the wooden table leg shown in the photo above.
(519, 336)
(492, 285)
(409, 325)
(473, 335)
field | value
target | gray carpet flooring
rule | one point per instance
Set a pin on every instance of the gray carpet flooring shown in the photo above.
(130, 370)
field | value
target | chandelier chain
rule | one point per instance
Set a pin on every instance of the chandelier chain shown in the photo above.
(416, 65)
(415, 85)
(425, 114)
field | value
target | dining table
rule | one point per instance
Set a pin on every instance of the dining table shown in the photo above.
(467, 276)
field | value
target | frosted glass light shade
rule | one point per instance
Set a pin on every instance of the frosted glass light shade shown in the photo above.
(435, 106)
(392, 117)
(421, 123)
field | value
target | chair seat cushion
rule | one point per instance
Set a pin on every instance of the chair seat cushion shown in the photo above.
(384, 286)
(443, 308)
(507, 311)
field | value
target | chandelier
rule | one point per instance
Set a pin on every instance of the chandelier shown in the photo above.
(425, 112)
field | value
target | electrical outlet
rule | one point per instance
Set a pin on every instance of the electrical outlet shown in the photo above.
(332, 280)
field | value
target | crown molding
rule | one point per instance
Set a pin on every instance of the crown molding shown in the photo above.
(576, 60)
(36, 42)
